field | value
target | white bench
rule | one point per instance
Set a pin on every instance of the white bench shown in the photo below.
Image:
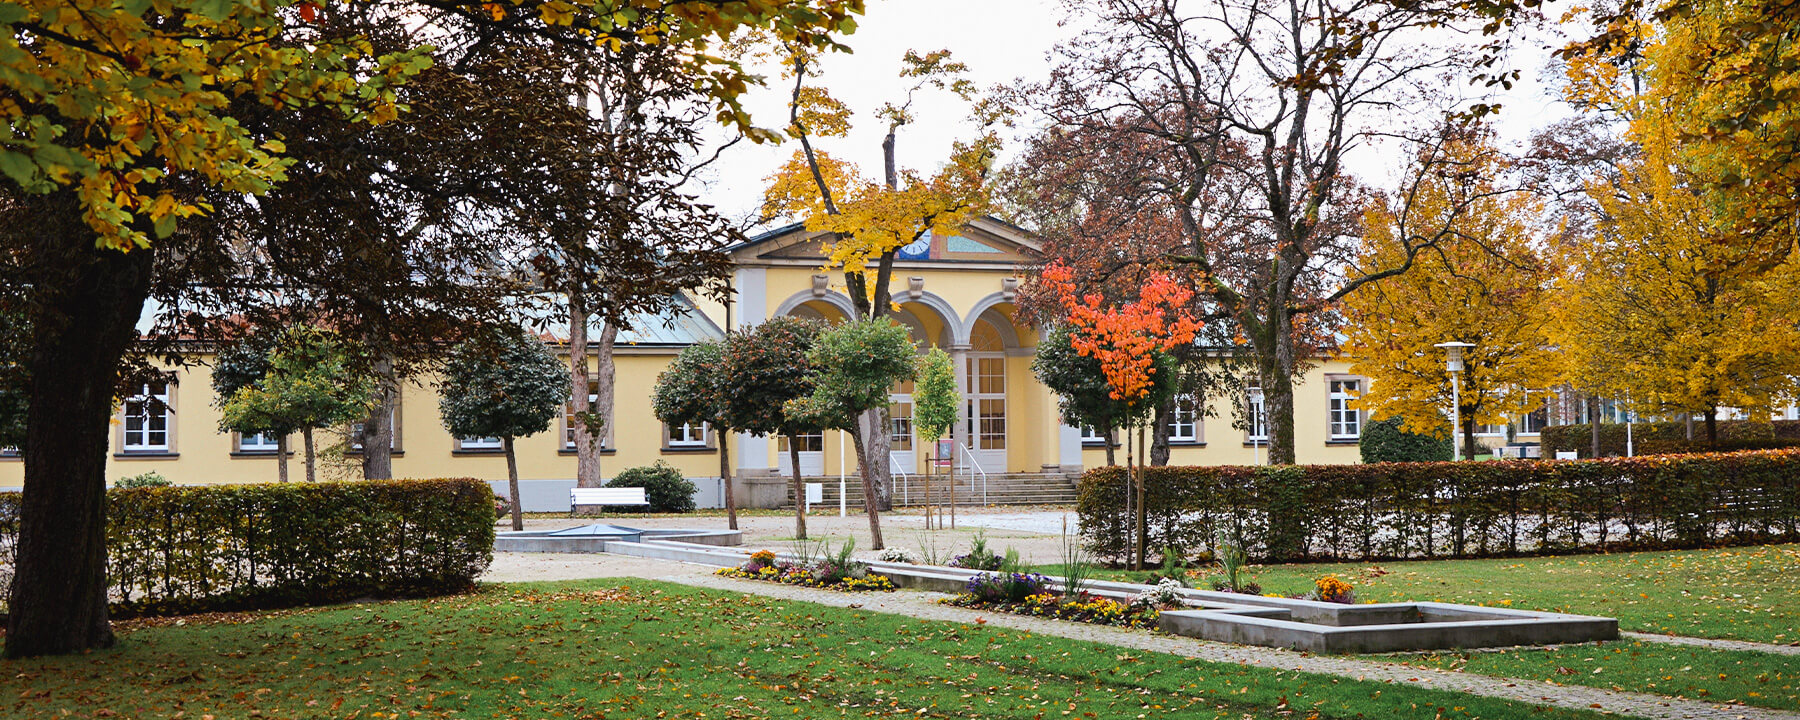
(606, 496)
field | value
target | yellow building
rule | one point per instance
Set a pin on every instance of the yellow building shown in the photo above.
(953, 292)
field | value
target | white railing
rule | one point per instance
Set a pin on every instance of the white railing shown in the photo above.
(969, 455)
(906, 482)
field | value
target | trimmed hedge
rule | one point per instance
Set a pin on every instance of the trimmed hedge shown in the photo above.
(665, 488)
(1385, 441)
(1665, 438)
(1442, 510)
(174, 550)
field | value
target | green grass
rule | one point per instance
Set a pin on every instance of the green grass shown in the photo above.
(1751, 678)
(1746, 593)
(585, 650)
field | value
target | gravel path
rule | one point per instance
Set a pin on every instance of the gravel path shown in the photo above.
(1713, 644)
(921, 605)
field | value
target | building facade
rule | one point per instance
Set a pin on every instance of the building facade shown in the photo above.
(957, 293)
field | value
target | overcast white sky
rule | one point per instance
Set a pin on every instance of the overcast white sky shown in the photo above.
(1001, 41)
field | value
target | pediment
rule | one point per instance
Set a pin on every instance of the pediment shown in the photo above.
(985, 240)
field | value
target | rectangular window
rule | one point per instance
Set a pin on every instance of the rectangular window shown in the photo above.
(1259, 420)
(147, 419)
(900, 423)
(1091, 436)
(1346, 421)
(570, 426)
(1533, 422)
(1184, 420)
(686, 435)
(813, 442)
(479, 443)
(258, 442)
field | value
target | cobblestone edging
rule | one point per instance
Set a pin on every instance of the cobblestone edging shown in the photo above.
(921, 605)
(1713, 643)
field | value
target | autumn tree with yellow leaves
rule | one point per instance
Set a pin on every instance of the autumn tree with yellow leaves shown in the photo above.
(1486, 285)
(868, 221)
(128, 122)
(1672, 308)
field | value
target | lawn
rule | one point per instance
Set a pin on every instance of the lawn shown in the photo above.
(1751, 678)
(602, 650)
(1745, 593)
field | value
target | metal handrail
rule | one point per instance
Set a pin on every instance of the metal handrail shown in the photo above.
(969, 454)
(906, 480)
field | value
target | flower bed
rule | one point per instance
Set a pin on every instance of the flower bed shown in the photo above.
(831, 573)
(1029, 594)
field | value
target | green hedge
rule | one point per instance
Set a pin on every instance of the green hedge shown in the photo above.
(1386, 441)
(1666, 438)
(173, 550)
(1467, 509)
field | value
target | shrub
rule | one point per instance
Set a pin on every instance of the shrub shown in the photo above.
(173, 550)
(979, 556)
(1467, 509)
(1005, 587)
(1668, 438)
(1385, 441)
(144, 480)
(898, 555)
(664, 487)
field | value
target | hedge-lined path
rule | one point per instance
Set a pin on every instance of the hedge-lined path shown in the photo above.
(923, 606)
(1713, 644)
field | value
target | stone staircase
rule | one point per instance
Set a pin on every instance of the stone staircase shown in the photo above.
(1001, 489)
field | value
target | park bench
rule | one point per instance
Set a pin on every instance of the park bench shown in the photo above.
(606, 496)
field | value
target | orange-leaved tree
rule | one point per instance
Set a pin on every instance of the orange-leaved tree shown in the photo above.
(1126, 338)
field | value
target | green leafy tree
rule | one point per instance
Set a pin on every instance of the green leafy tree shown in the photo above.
(664, 487)
(1388, 440)
(1082, 392)
(240, 365)
(312, 381)
(693, 391)
(505, 386)
(859, 363)
(765, 368)
(935, 402)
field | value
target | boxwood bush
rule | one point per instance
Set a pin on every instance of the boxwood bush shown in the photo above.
(1386, 441)
(664, 487)
(1466, 509)
(173, 550)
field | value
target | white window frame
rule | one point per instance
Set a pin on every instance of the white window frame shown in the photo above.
(1091, 436)
(1259, 417)
(271, 446)
(142, 401)
(1339, 414)
(1523, 418)
(1184, 420)
(569, 428)
(479, 444)
(684, 435)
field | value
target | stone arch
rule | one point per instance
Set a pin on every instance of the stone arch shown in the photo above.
(954, 331)
(1001, 322)
(833, 298)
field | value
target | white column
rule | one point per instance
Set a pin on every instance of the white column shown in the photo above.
(752, 305)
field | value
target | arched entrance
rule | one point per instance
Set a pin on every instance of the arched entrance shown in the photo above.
(986, 396)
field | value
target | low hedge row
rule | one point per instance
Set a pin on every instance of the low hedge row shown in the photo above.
(1467, 509)
(173, 550)
(1666, 438)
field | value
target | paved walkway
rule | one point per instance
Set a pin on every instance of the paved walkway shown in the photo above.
(1713, 644)
(921, 605)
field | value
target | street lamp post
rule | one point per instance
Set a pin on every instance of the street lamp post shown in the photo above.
(1454, 363)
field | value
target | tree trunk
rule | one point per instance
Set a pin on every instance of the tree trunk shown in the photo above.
(1159, 436)
(1594, 422)
(1112, 444)
(725, 476)
(281, 457)
(952, 485)
(1142, 514)
(1712, 428)
(1131, 538)
(587, 437)
(799, 486)
(868, 479)
(512, 484)
(1278, 402)
(605, 381)
(1468, 433)
(83, 320)
(378, 430)
(306, 435)
(881, 449)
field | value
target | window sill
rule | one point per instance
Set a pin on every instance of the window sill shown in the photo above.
(257, 453)
(688, 450)
(1187, 443)
(479, 451)
(1343, 442)
(1256, 443)
(359, 453)
(1093, 444)
(603, 451)
(146, 455)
